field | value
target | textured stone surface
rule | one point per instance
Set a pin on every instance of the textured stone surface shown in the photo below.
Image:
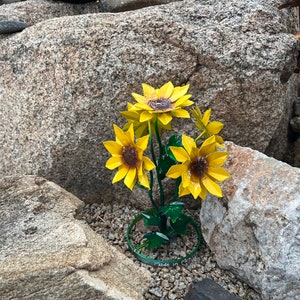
(12, 26)
(207, 289)
(76, 1)
(254, 231)
(297, 107)
(47, 254)
(63, 81)
(295, 124)
(34, 11)
(297, 153)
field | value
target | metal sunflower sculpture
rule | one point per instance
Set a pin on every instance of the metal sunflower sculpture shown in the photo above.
(195, 163)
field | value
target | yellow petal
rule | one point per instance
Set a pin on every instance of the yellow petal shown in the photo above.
(130, 115)
(194, 155)
(188, 143)
(142, 142)
(187, 103)
(181, 101)
(126, 126)
(212, 187)
(121, 136)
(113, 162)
(148, 164)
(145, 116)
(141, 129)
(196, 112)
(208, 146)
(176, 171)
(218, 174)
(139, 98)
(181, 113)
(130, 134)
(165, 118)
(195, 189)
(130, 178)
(166, 90)
(149, 91)
(203, 192)
(121, 173)
(206, 117)
(186, 179)
(180, 154)
(215, 127)
(179, 91)
(140, 106)
(220, 141)
(143, 178)
(166, 127)
(183, 191)
(217, 159)
(113, 147)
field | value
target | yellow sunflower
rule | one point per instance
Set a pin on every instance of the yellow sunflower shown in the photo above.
(207, 128)
(200, 168)
(140, 128)
(128, 157)
(162, 103)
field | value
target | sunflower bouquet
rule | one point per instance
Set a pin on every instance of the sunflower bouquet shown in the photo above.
(195, 163)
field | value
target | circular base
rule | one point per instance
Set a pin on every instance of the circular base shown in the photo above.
(161, 262)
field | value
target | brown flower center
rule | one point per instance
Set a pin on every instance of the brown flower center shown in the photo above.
(160, 104)
(130, 156)
(198, 167)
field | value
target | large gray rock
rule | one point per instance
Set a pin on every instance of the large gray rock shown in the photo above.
(47, 254)
(123, 5)
(63, 81)
(254, 230)
(34, 11)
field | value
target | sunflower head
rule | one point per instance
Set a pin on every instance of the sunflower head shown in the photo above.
(163, 103)
(200, 168)
(141, 128)
(128, 157)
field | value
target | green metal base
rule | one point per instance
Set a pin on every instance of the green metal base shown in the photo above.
(161, 262)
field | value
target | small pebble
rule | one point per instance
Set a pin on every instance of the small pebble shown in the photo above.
(165, 284)
(157, 291)
(181, 286)
(172, 296)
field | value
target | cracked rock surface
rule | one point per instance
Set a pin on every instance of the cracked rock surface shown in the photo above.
(254, 230)
(47, 253)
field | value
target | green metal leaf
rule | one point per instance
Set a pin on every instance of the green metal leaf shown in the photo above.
(166, 158)
(181, 224)
(151, 219)
(176, 203)
(164, 164)
(175, 140)
(173, 210)
(155, 239)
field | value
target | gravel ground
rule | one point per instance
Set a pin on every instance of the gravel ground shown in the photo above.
(111, 221)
